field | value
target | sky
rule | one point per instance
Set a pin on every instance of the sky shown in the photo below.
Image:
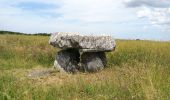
(123, 19)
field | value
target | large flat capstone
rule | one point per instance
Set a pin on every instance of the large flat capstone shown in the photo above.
(82, 43)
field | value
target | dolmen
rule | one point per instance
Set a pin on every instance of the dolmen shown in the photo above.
(81, 52)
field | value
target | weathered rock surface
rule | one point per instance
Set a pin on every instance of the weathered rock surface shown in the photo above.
(93, 62)
(82, 43)
(67, 60)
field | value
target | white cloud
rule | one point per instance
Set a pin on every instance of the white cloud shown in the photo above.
(87, 16)
(90, 10)
(159, 16)
(150, 3)
(74, 15)
(156, 11)
(84, 10)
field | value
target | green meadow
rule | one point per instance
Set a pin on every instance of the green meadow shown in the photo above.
(136, 70)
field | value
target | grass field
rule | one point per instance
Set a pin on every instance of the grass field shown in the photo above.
(137, 70)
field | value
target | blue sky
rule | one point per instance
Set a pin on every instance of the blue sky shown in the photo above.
(128, 19)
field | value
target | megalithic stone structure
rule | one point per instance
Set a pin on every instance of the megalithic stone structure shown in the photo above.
(81, 52)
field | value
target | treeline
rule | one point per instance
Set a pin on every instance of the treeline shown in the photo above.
(19, 33)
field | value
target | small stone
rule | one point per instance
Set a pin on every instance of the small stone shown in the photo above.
(67, 60)
(93, 61)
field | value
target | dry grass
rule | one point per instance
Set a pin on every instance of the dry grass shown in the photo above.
(137, 70)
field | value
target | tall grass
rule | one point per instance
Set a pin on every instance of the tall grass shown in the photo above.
(25, 51)
(137, 70)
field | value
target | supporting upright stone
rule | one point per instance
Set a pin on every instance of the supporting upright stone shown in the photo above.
(102, 56)
(93, 61)
(67, 60)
